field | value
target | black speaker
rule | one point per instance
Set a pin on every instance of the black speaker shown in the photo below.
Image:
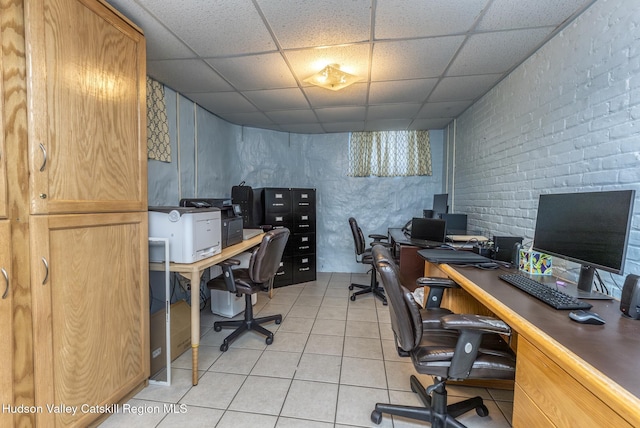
(630, 300)
(503, 248)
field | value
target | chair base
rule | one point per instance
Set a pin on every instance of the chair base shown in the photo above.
(246, 324)
(371, 288)
(435, 410)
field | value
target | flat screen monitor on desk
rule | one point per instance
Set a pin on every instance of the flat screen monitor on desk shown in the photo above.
(590, 228)
(428, 232)
(440, 204)
(456, 223)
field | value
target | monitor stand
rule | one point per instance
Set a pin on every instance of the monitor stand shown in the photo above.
(585, 282)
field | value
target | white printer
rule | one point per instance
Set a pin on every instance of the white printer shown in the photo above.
(193, 233)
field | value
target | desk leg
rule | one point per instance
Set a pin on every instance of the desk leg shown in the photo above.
(194, 278)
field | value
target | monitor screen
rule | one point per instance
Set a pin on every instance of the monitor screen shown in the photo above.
(590, 228)
(456, 223)
(440, 204)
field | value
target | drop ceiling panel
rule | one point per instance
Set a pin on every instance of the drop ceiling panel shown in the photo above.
(214, 28)
(278, 99)
(413, 59)
(191, 75)
(399, 19)
(161, 43)
(241, 71)
(400, 91)
(341, 114)
(420, 124)
(508, 14)
(494, 52)
(436, 55)
(355, 94)
(463, 88)
(287, 117)
(301, 24)
(222, 102)
(392, 111)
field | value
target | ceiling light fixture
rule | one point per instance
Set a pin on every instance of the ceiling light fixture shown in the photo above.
(331, 77)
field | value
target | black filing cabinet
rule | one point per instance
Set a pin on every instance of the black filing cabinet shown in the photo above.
(295, 209)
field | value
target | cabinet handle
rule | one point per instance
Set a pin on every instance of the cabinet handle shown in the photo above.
(44, 156)
(6, 280)
(46, 274)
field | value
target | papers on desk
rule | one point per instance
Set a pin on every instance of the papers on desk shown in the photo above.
(250, 233)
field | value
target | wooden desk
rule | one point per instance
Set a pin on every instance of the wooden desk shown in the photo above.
(567, 374)
(193, 271)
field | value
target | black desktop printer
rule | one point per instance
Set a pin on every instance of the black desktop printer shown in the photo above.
(230, 217)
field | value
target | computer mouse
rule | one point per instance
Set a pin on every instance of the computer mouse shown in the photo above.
(487, 265)
(586, 317)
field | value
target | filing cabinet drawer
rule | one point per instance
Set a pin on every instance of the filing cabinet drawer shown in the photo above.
(277, 200)
(284, 275)
(302, 243)
(304, 199)
(304, 268)
(303, 223)
(278, 219)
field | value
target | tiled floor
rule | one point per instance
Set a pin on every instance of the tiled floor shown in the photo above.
(331, 360)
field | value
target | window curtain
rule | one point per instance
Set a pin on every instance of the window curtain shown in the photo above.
(389, 153)
(158, 144)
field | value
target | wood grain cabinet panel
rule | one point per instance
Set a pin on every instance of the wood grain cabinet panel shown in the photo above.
(6, 324)
(90, 304)
(87, 121)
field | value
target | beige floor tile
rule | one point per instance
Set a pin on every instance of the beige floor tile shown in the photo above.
(321, 368)
(215, 390)
(355, 405)
(362, 347)
(302, 401)
(277, 364)
(323, 344)
(259, 394)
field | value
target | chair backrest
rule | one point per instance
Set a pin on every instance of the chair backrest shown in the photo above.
(406, 321)
(358, 236)
(265, 260)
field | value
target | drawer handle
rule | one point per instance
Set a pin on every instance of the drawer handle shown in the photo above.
(303, 247)
(6, 280)
(304, 269)
(44, 157)
(46, 273)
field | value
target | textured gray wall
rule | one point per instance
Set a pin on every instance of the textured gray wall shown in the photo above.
(566, 120)
(214, 155)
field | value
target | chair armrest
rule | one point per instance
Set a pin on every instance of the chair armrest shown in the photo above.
(377, 237)
(436, 289)
(472, 328)
(227, 273)
(481, 323)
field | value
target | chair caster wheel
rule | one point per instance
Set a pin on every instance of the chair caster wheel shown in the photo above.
(482, 411)
(376, 417)
(224, 347)
(278, 321)
(351, 287)
(384, 303)
(269, 340)
(217, 328)
(353, 298)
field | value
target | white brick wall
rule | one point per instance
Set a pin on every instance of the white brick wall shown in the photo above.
(567, 119)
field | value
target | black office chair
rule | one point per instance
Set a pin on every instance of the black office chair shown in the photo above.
(446, 356)
(363, 255)
(263, 265)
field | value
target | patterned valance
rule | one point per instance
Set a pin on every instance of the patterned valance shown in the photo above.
(158, 144)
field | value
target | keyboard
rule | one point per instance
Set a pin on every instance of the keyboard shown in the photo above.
(552, 297)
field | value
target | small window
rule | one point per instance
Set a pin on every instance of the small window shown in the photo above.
(389, 154)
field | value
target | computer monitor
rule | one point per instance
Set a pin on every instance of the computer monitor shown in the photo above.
(590, 228)
(456, 223)
(440, 204)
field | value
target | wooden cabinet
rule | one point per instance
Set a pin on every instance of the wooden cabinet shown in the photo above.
(86, 148)
(6, 323)
(89, 303)
(73, 191)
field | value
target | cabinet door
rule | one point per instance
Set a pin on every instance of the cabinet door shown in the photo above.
(90, 310)
(6, 324)
(86, 89)
(3, 151)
